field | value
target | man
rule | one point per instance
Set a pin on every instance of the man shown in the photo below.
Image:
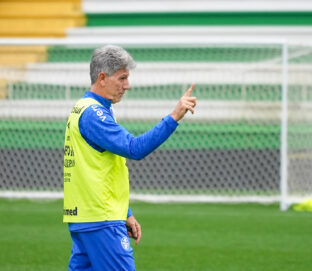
(96, 181)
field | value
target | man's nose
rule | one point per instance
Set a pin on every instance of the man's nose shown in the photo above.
(126, 85)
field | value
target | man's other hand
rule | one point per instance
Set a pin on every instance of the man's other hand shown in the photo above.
(134, 229)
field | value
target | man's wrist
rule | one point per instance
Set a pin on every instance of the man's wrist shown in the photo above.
(171, 120)
(174, 116)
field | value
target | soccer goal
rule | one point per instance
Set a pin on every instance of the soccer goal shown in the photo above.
(250, 139)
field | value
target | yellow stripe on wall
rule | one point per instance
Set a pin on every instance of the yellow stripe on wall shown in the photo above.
(20, 55)
(39, 18)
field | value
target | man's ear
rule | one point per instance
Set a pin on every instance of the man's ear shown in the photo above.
(102, 76)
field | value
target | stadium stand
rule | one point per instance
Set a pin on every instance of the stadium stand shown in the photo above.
(39, 18)
(225, 18)
(163, 33)
(33, 18)
(231, 6)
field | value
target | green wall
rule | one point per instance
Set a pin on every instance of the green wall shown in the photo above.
(50, 135)
(200, 18)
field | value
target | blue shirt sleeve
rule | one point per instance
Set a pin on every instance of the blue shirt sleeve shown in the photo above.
(99, 128)
(129, 213)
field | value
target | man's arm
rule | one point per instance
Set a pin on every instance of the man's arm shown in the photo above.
(109, 135)
(105, 134)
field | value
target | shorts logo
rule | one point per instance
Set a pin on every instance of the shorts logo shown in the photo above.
(125, 243)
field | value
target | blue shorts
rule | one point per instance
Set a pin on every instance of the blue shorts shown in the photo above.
(104, 249)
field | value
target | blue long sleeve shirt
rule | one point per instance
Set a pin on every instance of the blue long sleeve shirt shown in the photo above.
(103, 133)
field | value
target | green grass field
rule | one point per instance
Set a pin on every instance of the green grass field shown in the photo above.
(175, 237)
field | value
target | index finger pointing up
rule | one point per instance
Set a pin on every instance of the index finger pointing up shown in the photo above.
(189, 91)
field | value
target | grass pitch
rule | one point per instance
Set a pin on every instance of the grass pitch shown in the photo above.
(195, 237)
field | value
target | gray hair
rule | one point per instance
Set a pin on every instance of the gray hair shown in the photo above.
(109, 59)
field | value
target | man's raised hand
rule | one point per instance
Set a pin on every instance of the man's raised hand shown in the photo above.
(186, 102)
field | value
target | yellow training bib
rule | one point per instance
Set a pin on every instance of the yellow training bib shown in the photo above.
(96, 184)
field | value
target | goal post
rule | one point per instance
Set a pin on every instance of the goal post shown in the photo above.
(248, 141)
(284, 130)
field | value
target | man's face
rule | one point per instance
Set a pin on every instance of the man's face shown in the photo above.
(116, 85)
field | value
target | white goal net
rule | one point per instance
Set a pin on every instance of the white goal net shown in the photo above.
(249, 139)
